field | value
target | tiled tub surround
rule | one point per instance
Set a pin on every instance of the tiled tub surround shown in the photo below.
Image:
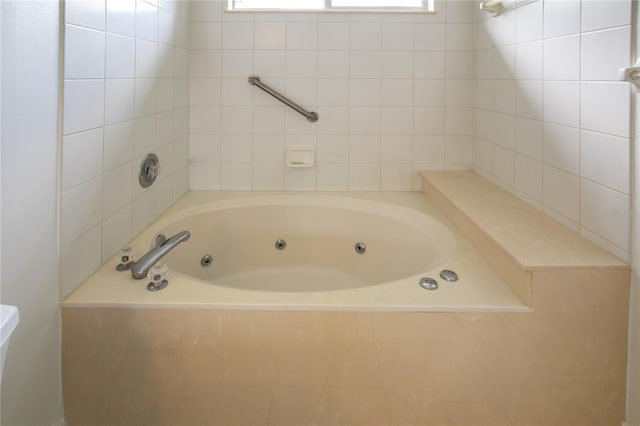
(552, 119)
(561, 363)
(394, 93)
(126, 93)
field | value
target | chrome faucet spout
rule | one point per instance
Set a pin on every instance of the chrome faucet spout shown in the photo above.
(140, 269)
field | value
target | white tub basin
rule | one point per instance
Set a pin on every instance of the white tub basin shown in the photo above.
(9, 319)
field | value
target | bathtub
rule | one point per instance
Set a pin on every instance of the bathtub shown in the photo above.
(306, 251)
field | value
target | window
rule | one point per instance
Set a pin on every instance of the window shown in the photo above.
(332, 5)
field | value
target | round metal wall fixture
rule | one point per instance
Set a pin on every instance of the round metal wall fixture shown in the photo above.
(429, 284)
(360, 247)
(281, 244)
(149, 170)
(206, 260)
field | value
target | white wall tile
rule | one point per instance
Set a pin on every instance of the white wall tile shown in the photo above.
(562, 58)
(459, 36)
(364, 92)
(204, 176)
(83, 105)
(333, 149)
(301, 63)
(459, 65)
(269, 63)
(333, 35)
(397, 92)
(144, 136)
(561, 17)
(299, 179)
(146, 59)
(428, 149)
(237, 63)
(269, 35)
(562, 103)
(268, 177)
(396, 121)
(604, 159)
(529, 99)
(143, 211)
(79, 260)
(118, 144)
(604, 53)
(562, 147)
(561, 192)
(429, 36)
(366, 36)
(599, 14)
(145, 97)
(504, 166)
(529, 22)
(119, 100)
(504, 96)
(81, 157)
(529, 138)
(85, 13)
(335, 121)
(235, 148)
(396, 177)
(237, 35)
(121, 17)
(364, 149)
(117, 189)
(235, 176)
(116, 232)
(302, 36)
(606, 213)
(81, 209)
(504, 62)
(504, 130)
(429, 121)
(333, 177)
(459, 151)
(84, 53)
(528, 177)
(146, 21)
(429, 65)
(529, 61)
(333, 64)
(364, 177)
(605, 108)
(397, 36)
(429, 93)
(120, 56)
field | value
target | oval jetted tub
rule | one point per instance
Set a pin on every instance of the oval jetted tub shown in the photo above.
(306, 251)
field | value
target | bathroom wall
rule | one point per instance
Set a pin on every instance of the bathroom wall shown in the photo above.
(31, 393)
(126, 93)
(394, 93)
(552, 121)
(633, 381)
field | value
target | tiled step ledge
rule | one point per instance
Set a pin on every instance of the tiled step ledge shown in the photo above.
(516, 239)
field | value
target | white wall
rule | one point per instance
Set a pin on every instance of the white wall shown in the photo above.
(126, 93)
(393, 91)
(552, 121)
(31, 383)
(633, 390)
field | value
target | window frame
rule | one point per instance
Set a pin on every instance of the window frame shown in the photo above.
(428, 6)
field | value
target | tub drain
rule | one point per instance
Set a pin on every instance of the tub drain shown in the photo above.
(281, 244)
(206, 260)
(360, 247)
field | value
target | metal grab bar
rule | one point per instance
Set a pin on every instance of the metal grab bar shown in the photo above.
(254, 80)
